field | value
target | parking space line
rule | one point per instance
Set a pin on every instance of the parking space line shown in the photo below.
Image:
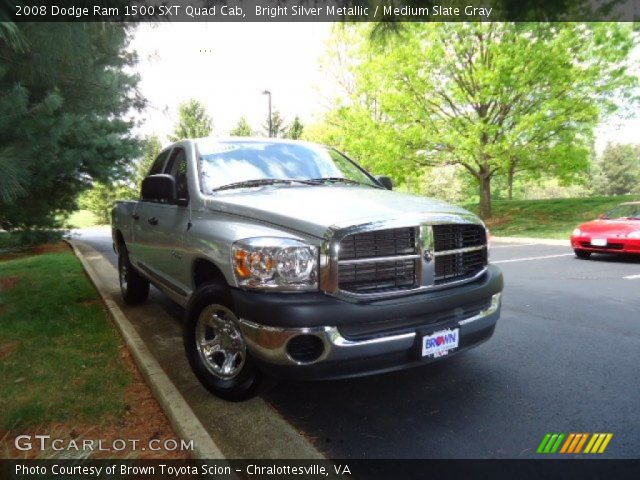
(515, 245)
(525, 259)
(632, 277)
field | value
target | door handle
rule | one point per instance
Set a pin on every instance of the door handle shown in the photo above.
(135, 216)
(153, 221)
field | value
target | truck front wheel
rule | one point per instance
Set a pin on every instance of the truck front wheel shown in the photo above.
(215, 347)
(133, 286)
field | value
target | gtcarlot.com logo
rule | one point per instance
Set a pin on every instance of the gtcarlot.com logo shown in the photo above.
(574, 443)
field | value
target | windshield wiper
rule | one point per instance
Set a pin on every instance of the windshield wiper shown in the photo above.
(335, 180)
(259, 182)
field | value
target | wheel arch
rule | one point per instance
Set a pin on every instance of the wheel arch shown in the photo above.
(205, 271)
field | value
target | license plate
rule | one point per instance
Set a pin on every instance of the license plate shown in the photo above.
(599, 242)
(440, 343)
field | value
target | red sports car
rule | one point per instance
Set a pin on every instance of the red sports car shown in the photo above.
(617, 231)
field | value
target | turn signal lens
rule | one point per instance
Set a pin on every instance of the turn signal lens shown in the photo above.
(240, 263)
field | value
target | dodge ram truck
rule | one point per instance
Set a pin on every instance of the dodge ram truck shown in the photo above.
(293, 261)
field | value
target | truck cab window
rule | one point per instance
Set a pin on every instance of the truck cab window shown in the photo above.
(177, 168)
(158, 165)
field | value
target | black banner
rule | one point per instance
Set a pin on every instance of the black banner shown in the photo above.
(317, 10)
(319, 469)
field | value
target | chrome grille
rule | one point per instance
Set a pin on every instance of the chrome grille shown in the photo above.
(379, 260)
(454, 236)
(382, 262)
(367, 277)
(379, 243)
(460, 252)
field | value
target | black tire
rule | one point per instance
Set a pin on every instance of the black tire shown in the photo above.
(133, 286)
(582, 254)
(245, 377)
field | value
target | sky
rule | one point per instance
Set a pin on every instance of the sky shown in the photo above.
(227, 66)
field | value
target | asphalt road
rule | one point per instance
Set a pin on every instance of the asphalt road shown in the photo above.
(565, 358)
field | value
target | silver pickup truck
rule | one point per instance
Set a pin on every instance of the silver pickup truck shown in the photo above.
(292, 260)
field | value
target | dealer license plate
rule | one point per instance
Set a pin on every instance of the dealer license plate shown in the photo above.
(440, 343)
(599, 242)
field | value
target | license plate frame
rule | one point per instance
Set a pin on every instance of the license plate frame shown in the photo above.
(440, 343)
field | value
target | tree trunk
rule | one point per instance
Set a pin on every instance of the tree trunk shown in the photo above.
(510, 175)
(485, 196)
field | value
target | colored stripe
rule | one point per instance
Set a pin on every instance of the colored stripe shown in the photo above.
(607, 439)
(576, 439)
(582, 440)
(543, 443)
(596, 445)
(555, 447)
(590, 444)
(552, 440)
(567, 443)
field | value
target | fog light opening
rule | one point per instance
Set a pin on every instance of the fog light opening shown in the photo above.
(305, 348)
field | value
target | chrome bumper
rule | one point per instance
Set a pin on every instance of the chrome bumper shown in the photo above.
(269, 344)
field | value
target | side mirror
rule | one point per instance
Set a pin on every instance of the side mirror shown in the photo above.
(159, 188)
(384, 181)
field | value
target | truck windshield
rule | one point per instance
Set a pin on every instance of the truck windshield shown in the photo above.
(225, 165)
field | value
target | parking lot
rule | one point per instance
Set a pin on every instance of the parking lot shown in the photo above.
(565, 358)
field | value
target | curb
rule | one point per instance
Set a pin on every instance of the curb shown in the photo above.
(180, 415)
(537, 241)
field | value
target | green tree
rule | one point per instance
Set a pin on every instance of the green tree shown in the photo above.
(64, 124)
(295, 129)
(151, 148)
(495, 98)
(103, 195)
(193, 121)
(278, 125)
(242, 129)
(619, 167)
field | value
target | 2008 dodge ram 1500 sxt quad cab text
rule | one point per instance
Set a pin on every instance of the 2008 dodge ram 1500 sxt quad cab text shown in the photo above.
(292, 260)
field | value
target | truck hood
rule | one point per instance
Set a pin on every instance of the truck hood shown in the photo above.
(315, 209)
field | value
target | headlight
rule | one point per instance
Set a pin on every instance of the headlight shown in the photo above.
(275, 263)
(576, 232)
(635, 234)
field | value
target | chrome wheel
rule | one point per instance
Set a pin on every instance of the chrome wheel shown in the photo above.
(123, 276)
(219, 342)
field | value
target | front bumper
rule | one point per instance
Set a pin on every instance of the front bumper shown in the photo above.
(614, 245)
(363, 338)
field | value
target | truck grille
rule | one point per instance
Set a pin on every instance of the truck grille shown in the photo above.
(453, 236)
(452, 265)
(379, 243)
(386, 260)
(365, 265)
(367, 277)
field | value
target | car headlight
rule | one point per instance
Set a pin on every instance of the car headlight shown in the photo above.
(275, 263)
(576, 232)
(635, 234)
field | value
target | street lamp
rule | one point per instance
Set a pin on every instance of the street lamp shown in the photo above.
(267, 92)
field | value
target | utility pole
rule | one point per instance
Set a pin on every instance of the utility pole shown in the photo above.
(267, 92)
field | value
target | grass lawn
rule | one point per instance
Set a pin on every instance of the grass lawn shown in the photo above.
(64, 370)
(60, 356)
(554, 218)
